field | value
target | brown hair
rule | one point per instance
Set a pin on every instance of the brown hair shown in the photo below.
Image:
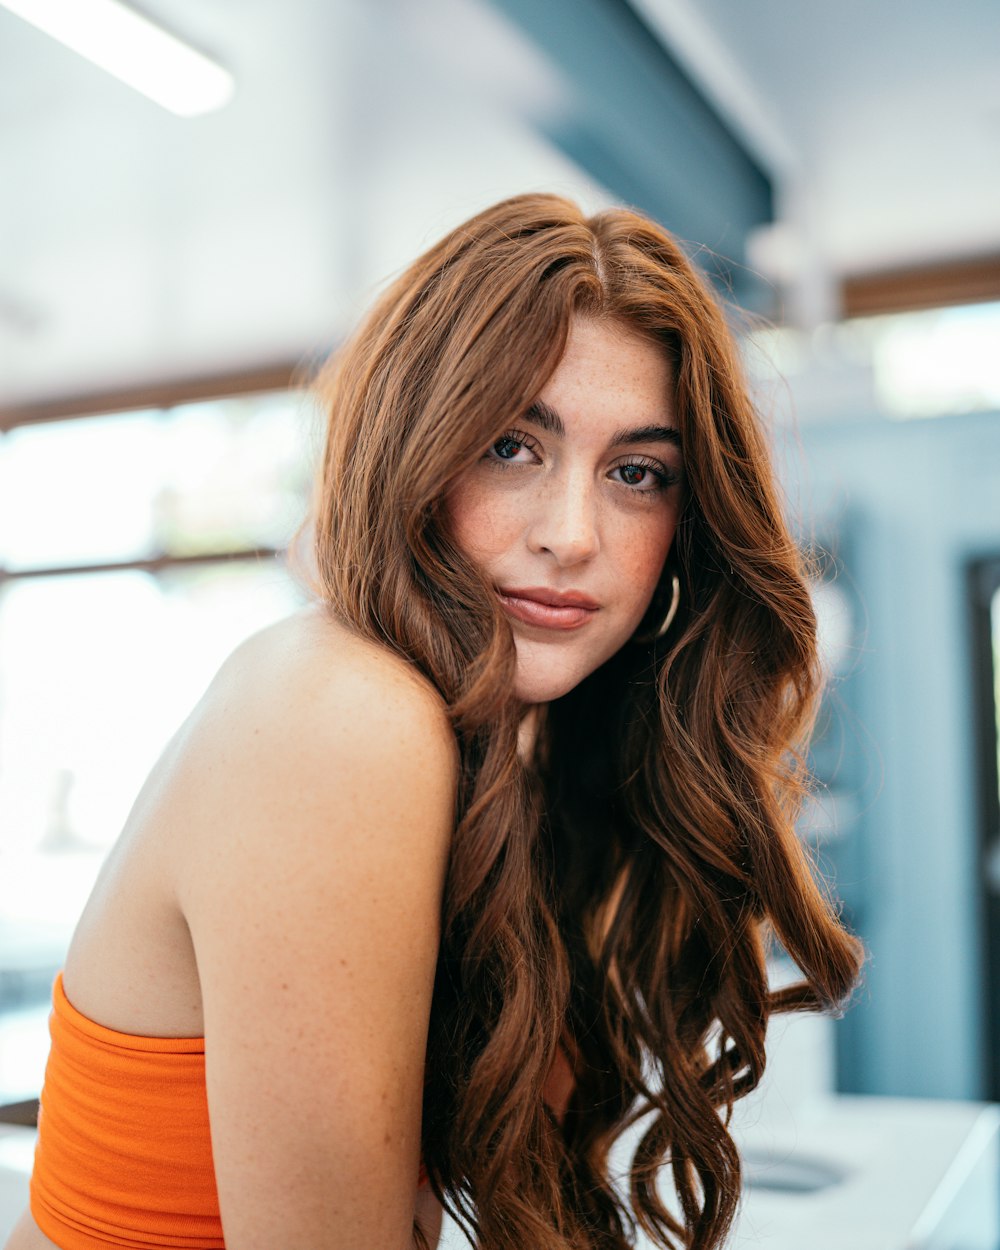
(669, 778)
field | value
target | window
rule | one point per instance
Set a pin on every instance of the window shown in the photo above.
(929, 363)
(136, 550)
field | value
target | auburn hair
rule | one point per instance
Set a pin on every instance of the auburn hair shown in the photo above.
(615, 893)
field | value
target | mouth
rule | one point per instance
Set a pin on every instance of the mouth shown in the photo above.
(548, 609)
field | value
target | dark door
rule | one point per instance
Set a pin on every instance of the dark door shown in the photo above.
(984, 594)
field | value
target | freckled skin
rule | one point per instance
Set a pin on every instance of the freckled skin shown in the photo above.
(567, 513)
(570, 511)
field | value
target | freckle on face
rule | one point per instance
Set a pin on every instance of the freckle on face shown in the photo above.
(563, 518)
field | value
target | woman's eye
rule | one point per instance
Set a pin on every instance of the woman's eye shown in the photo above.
(644, 476)
(509, 448)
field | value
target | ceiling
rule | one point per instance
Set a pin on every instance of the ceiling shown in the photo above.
(880, 117)
(138, 247)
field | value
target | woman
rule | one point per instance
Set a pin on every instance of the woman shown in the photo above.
(473, 863)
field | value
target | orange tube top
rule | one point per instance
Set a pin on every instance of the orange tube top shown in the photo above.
(124, 1156)
(124, 1153)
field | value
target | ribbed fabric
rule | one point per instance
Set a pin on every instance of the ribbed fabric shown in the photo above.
(124, 1155)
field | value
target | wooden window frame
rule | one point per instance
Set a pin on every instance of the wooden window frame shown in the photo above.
(163, 395)
(945, 284)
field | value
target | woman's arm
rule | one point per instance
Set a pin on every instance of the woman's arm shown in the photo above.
(321, 814)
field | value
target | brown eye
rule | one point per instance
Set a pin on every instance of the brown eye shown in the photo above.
(507, 448)
(646, 477)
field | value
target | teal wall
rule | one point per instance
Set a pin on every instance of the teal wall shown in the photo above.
(914, 502)
(643, 129)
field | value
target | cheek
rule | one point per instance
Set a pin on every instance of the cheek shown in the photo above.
(642, 558)
(479, 523)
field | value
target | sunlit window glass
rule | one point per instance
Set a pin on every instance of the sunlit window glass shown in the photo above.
(234, 474)
(99, 668)
(941, 361)
(928, 363)
(79, 492)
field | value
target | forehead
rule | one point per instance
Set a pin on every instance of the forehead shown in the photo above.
(612, 354)
(609, 373)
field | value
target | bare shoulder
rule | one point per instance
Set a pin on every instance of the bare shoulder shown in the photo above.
(319, 786)
(305, 700)
(315, 747)
(311, 666)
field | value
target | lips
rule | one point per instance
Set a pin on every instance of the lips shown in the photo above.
(548, 609)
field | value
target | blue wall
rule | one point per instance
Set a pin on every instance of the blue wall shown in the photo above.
(915, 501)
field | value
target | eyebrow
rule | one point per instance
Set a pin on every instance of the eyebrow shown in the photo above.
(546, 418)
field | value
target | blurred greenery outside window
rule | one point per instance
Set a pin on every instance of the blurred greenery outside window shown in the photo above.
(136, 550)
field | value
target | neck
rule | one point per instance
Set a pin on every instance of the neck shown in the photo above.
(528, 731)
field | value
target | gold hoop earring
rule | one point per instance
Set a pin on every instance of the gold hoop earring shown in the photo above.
(675, 602)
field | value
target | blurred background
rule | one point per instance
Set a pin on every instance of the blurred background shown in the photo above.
(173, 264)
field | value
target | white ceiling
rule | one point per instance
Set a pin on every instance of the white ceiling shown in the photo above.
(887, 113)
(137, 247)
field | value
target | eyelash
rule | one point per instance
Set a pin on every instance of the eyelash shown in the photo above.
(510, 436)
(665, 478)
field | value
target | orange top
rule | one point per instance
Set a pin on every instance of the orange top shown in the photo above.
(124, 1156)
(124, 1153)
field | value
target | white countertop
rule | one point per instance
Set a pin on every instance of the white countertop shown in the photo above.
(917, 1175)
(17, 1148)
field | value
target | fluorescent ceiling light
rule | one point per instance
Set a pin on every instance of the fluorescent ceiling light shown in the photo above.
(135, 50)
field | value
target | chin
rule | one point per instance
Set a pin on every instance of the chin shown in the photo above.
(542, 689)
(542, 677)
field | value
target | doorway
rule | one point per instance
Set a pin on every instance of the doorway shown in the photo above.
(984, 600)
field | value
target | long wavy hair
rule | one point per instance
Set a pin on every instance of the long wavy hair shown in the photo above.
(615, 894)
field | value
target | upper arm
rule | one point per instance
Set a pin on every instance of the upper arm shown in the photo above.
(322, 817)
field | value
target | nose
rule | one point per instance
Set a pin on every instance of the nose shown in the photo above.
(565, 522)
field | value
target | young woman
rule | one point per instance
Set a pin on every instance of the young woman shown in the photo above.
(470, 865)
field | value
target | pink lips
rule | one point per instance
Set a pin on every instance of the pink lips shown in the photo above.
(549, 609)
